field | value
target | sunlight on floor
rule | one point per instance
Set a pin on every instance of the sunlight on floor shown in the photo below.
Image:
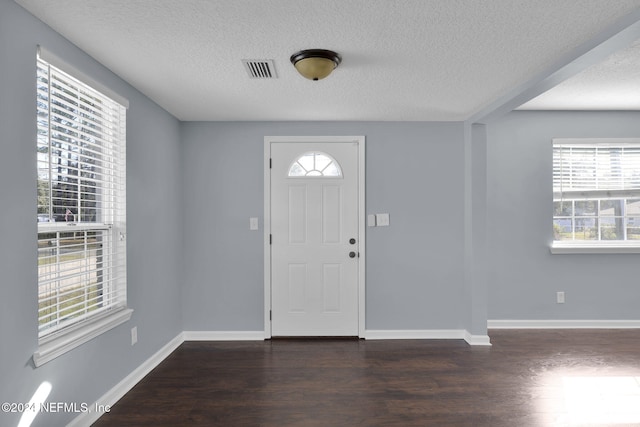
(601, 400)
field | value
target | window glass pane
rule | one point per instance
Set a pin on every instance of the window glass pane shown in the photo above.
(332, 170)
(562, 208)
(611, 207)
(70, 270)
(322, 161)
(306, 161)
(611, 228)
(562, 229)
(633, 228)
(586, 229)
(633, 207)
(296, 170)
(586, 208)
(315, 165)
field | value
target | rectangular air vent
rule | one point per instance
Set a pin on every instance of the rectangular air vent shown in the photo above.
(260, 68)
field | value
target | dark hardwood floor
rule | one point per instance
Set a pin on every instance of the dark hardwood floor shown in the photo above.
(527, 378)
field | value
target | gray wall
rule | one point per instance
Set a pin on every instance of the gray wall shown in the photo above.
(523, 276)
(154, 238)
(414, 171)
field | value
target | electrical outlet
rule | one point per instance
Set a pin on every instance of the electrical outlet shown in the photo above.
(560, 297)
(134, 335)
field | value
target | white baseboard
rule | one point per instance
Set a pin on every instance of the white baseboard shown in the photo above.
(429, 334)
(477, 339)
(120, 389)
(414, 334)
(563, 324)
(223, 335)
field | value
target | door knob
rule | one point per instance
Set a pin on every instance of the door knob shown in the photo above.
(352, 254)
(352, 241)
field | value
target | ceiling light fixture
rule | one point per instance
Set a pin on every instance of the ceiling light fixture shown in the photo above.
(315, 64)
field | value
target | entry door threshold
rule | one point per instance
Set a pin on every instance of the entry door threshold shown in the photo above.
(315, 338)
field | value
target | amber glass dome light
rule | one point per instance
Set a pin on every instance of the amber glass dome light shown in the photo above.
(315, 64)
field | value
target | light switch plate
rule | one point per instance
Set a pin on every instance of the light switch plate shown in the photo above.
(371, 220)
(253, 223)
(382, 220)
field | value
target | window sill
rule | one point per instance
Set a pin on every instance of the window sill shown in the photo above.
(49, 349)
(574, 248)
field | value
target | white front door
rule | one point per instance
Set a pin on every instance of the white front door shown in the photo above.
(314, 238)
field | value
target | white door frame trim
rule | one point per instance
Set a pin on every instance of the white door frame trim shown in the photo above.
(360, 140)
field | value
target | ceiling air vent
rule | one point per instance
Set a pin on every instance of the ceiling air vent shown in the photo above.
(260, 68)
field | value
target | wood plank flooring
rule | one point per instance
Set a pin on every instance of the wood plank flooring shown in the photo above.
(527, 378)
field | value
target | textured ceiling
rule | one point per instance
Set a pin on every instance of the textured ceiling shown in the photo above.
(403, 60)
(613, 84)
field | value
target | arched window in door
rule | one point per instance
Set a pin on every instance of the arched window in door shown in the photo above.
(315, 164)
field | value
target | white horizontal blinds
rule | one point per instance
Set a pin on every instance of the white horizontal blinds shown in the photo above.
(596, 171)
(81, 201)
(77, 154)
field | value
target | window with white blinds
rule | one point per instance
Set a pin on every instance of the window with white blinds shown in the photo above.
(596, 192)
(81, 142)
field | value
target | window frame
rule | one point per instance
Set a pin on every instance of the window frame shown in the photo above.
(593, 246)
(111, 225)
